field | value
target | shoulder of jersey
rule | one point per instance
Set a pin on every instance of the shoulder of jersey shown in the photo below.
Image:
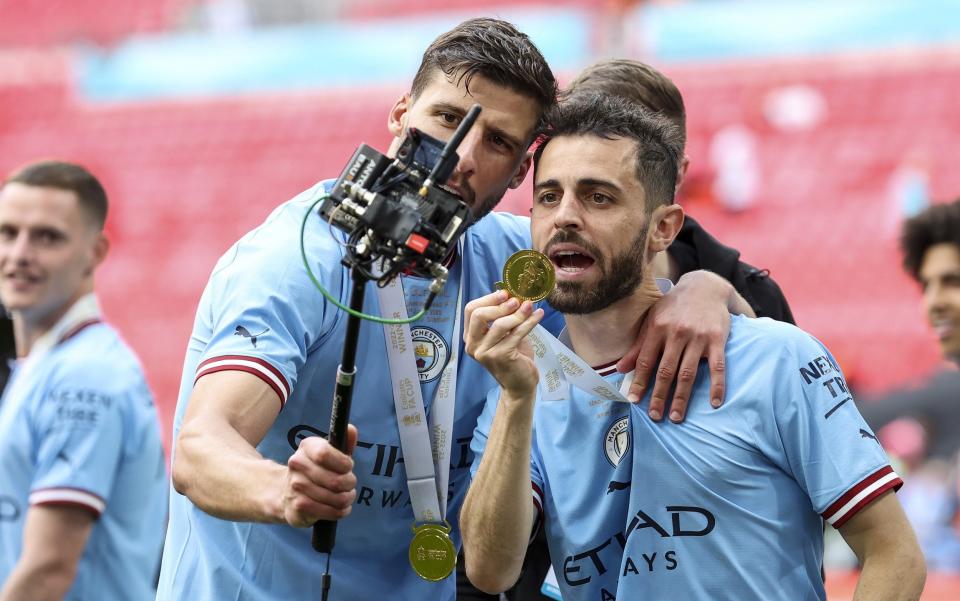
(501, 224)
(769, 336)
(97, 351)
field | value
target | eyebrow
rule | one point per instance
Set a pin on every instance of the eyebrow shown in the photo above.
(450, 108)
(588, 182)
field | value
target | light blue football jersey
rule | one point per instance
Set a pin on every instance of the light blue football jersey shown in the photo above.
(261, 314)
(728, 505)
(78, 428)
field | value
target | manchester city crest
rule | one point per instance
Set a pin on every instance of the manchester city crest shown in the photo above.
(617, 441)
(430, 351)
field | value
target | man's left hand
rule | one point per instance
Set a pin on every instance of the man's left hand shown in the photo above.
(690, 323)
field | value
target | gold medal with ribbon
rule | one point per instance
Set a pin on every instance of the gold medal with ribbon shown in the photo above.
(432, 553)
(528, 275)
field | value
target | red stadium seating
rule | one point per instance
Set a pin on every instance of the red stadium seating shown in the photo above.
(379, 9)
(187, 178)
(45, 22)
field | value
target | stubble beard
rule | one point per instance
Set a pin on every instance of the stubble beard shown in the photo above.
(618, 282)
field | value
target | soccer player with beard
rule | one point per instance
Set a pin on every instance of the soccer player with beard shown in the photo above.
(250, 468)
(729, 505)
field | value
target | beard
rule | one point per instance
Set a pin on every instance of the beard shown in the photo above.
(617, 281)
(483, 207)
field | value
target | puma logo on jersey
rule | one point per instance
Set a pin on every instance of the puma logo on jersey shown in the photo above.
(242, 331)
(615, 486)
(865, 434)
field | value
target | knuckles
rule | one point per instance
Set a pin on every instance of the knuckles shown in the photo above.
(686, 375)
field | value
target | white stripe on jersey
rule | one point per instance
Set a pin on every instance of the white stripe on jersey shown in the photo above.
(68, 496)
(869, 488)
(257, 367)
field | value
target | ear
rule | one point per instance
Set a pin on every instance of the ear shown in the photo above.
(682, 172)
(522, 170)
(397, 120)
(665, 224)
(100, 249)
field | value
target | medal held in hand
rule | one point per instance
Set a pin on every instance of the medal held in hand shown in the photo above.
(528, 275)
(432, 553)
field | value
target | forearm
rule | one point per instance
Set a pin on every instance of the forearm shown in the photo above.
(893, 567)
(38, 582)
(222, 474)
(891, 575)
(497, 515)
(738, 305)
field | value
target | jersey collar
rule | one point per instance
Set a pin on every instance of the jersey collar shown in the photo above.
(663, 284)
(84, 312)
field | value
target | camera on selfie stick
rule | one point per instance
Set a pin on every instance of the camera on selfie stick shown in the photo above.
(399, 219)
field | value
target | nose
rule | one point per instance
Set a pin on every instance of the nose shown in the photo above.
(468, 151)
(19, 249)
(934, 297)
(568, 214)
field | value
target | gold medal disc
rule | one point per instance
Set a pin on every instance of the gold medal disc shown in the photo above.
(432, 553)
(528, 275)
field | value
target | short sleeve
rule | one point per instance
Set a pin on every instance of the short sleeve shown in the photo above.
(79, 429)
(264, 312)
(825, 443)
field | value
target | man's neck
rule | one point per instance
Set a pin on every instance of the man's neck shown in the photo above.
(605, 336)
(665, 266)
(28, 327)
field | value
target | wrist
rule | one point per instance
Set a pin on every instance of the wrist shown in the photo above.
(271, 495)
(519, 403)
(709, 284)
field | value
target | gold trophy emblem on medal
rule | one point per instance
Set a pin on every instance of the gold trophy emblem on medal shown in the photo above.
(528, 275)
(432, 554)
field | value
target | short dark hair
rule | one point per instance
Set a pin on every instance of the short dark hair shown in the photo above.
(637, 82)
(496, 50)
(67, 176)
(609, 117)
(936, 225)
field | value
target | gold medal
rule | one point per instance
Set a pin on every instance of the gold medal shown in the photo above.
(432, 553)
(528, 275)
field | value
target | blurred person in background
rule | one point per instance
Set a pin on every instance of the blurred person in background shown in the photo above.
(8, 348)
(249, 462)
(83, 485)
(693, 249)
(921, 426)
(731, 504)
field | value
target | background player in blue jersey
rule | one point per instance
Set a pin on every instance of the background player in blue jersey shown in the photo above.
(83, 487)
(731, 504)
(259, 370)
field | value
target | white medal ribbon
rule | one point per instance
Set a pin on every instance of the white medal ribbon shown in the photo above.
(425, 446)
(559, 367)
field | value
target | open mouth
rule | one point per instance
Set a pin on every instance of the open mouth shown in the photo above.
(453, 191)
(943, 329)
(571, 261)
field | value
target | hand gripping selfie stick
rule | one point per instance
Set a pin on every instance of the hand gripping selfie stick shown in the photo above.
(375, 241)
